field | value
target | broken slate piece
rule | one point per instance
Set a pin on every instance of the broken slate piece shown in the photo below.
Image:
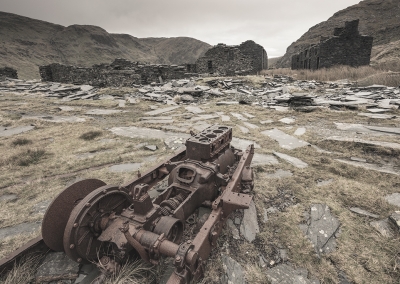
(285, 141)
(243, 129)
(393, 199)
(233, 229)
(249, 227)
(286, 274)
(5, 132)
(292, 160)
(151, 147)
(300, 131)
(383, 227)
(363, 212)
(287, 120)
(263, 159)
(57, 266)
(233, 271)
(239, 116)
(194, 109)
(321, 228)
(394, 220)
(250, 125)
(161, 110)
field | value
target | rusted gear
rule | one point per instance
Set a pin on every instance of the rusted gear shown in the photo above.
(58, 213)
(83, 227)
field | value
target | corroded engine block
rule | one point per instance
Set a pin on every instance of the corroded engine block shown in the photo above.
(94, 222)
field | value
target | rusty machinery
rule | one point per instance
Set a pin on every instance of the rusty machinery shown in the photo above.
(94, 222)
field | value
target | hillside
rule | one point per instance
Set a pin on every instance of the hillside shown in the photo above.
(378, 18)
(26, 43)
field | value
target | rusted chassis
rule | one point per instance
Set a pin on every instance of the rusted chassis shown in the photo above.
(109, 222)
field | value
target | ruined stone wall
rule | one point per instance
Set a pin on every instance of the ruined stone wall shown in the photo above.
(247, 58)
(346, 47)
(119, 73)
(257, 53)
(7, 72)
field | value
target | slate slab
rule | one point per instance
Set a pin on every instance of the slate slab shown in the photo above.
(285, 141)
(25, 228)
(363, 212)
(292, 160)
(233, 271)
(279, 174)
(286, 274)
(57, 266)
(5, 131)
(249, 226)
(103, 111)
(393, 199)
(263, 159)
(238, 116)
(161, 110)
(321, 228)
(383, 227)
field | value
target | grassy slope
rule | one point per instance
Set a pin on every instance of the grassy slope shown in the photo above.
(26, 43)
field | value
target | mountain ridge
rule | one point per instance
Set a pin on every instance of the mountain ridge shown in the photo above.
(27, 43)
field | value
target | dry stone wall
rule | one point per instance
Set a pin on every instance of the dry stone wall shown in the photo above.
(7, 72)
(346, 47)
(246, 58)
(119, 73)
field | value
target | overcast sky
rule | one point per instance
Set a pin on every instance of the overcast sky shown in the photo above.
(274, 24)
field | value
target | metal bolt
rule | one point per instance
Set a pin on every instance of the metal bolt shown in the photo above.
(79, 260)
(72, 246)
(189, 242)
(88, 204)
(75, 225)
(101, 210)
(178, 258)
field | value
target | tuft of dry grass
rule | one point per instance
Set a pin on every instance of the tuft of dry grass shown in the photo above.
(21, 142)
(24, 271)
(91, 135)
(387, 74)
(132, 272)
(27, 157)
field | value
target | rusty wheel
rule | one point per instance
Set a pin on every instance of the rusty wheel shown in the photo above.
(57, 215)
(87, 219)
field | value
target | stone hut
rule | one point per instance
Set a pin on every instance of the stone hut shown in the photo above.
(7, 72)
(246, 58)
(346, 47)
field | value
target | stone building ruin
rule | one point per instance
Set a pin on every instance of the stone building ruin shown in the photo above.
(246, 58)
(7, 72)
(346, 47)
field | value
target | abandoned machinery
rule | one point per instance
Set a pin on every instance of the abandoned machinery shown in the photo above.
(94, 222)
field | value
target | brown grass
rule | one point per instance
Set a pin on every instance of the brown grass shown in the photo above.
(383, 74)
(24, 271)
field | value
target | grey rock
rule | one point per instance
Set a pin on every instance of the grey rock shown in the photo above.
(8, 198)
(249, 227)
(161, 110)
(25, 228)
(57, 266)
(377, 115)
(5, 132)
(204, 117)
(394, 220)
(383, 227)
(279, 173)
(363, 212)
(238, 116)
(286, 274)
(243, 129)
(285, 141)
(225, 118)
(287, 120)
(300, 131)
(41, 207)
(232, 228)
(151, 147)
(263, 159)
(393, 199)
(243, 143)
(292, 160)
(66, 108)
(322, 228)
(129, 167)
(194, 109)
(237, 221)
(233, 271)
(250, 125)
(266, 121)
(103, 111)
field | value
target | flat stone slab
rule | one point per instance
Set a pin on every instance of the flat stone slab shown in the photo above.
(129, 167)
(156, 121)
(292, 160)
(25, 228)
(286, 274)
(394, 219)
(239, 116)
(57, 266)
(388, 169)
(266, 121)
(393, 199)
(57, 118)
(249, 227)
(286, 141)
(103, 111)
(194, 109)
(244, 130)
(378, 110)
(279, 174)
(300, 131)
(157, 118)
(263, 159)
(242, 144)
(232, 228)
(8, 197)
(233, 271)
(363, 212)
(250, 125)
(204, 117)
(225, 118)
(66, 108)
(248, 115)
(142, 132)
(391, 130)
(321, 228)
(383, 227)
(390, 145)
(10, 131)
(223, 103)
(161, 110)
(287, 120)
(377, 115)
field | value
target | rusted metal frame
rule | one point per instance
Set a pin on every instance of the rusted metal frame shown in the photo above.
(154, 175)
(229, 201)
